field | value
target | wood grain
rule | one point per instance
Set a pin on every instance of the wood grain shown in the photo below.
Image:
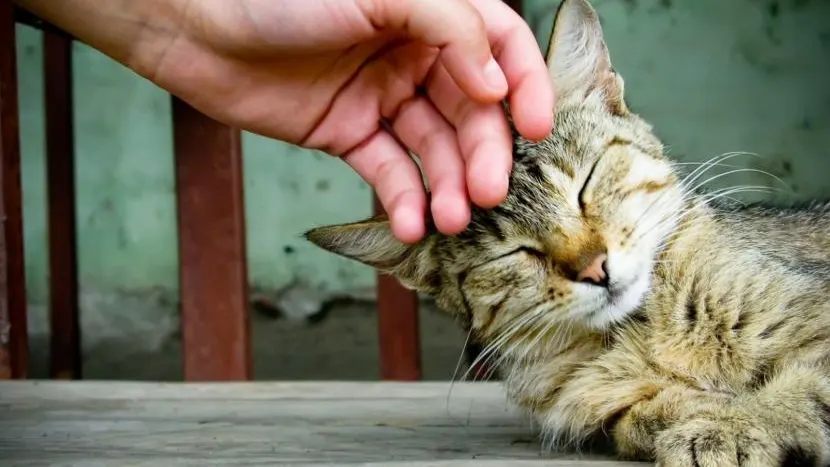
(262, 423)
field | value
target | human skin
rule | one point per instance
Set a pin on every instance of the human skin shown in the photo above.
(324, 74)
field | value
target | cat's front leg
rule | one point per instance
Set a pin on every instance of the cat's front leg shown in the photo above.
(786, 422)
(603, 399)
(782, 423)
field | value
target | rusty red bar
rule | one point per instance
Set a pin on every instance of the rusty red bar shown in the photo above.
(65, 344)
(398, 327)
(213, 273)
(14, 342)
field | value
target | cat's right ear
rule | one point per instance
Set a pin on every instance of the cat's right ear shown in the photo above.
(373, 243)
(578, 60)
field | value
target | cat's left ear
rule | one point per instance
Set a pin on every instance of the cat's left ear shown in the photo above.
(578, 60)
(373, 243)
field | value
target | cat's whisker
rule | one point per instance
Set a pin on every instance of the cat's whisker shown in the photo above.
(502, 337)
(708, 165)
(533, 330)
(659, 199)
(545, 326)
(458, 367)
(709, 198)
(681, 164)
(660, 222)
(675, 219)
(735, 171)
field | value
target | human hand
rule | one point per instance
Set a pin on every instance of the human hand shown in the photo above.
(323, 74)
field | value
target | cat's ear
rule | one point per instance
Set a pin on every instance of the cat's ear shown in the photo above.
(578, 60)
(372, 242)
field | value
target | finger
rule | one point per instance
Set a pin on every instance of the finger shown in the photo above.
(454, 26)
(484, 139)
(384, 165)
(514, 46)
(424, 131)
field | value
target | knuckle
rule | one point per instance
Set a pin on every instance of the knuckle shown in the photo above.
(385, 171)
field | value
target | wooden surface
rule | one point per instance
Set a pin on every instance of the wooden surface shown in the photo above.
(64, 326)
(212, 259)
(390, 423)
(399, 333)
(14, 347)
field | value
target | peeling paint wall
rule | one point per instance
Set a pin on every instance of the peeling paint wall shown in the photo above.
(713, 76)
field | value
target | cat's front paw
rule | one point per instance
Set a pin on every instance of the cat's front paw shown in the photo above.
(711, 443)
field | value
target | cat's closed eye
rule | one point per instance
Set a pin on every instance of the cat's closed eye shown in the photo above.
(531, 251)
(582, 198)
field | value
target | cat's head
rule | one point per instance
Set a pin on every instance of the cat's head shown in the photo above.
(586, 213)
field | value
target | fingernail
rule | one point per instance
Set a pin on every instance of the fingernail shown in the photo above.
(494, 76)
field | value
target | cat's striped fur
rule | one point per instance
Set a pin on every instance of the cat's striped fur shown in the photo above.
(704, 340)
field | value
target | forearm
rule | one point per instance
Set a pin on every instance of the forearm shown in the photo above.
(132, 32)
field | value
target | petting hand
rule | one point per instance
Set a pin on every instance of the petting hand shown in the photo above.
(323, 74)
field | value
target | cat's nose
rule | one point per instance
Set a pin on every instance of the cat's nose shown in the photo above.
(596, 272)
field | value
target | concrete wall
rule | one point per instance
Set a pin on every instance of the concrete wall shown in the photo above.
(713, 76)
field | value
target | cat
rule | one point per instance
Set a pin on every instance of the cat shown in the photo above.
(622, 299)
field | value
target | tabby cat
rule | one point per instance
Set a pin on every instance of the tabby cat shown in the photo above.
(624, 300)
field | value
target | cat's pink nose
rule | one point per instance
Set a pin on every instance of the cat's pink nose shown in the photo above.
(596, 272)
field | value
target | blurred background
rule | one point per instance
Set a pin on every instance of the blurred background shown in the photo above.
(713, 76)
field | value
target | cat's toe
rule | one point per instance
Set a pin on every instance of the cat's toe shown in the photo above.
(800, 457)
(708, 443)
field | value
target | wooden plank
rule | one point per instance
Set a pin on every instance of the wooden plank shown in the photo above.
(398, 327)
(27, 391)
(14, 347)
(65, 342)
(271, 423)
(213, 273)
(420, 463)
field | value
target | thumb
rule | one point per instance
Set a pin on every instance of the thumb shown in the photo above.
(453, 26)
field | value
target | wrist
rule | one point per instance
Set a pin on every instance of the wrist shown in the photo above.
(133, 33)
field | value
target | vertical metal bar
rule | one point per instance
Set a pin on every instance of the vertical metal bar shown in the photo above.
(14, 342)
(65, 348)
(398, 327)
(213, 272)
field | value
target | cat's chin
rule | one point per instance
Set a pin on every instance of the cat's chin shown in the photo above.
(618, 306)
